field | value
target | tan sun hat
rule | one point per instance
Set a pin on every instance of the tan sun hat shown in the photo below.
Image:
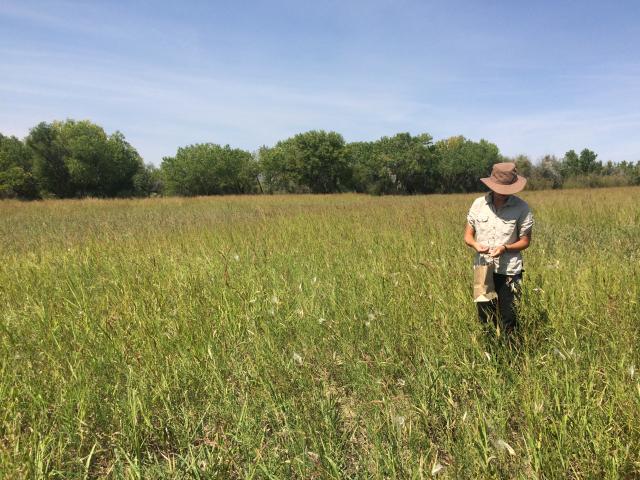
(504, 179)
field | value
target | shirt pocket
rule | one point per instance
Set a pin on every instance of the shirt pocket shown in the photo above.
(482, 218)
(508, 227)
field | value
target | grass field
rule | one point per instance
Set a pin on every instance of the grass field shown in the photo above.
(313, 337)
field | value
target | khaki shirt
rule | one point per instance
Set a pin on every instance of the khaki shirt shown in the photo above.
(498, 227)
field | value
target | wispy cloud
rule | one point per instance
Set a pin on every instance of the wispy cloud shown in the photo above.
(251, 75)
(160, 104)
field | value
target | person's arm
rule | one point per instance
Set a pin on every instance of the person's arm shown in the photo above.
(522, 243)
(469, 239)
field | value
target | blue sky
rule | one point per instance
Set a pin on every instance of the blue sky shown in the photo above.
(533, 77)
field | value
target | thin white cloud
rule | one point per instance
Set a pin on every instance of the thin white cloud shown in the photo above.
(162, 105)
(164, 101)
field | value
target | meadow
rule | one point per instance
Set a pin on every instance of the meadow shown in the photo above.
(314, 337)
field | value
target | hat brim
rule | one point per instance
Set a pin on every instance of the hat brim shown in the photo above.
(515, 187)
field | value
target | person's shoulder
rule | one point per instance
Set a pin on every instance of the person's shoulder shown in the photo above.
(482, 200)
(520, 203)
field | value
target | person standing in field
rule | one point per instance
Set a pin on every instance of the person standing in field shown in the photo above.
(498, 228)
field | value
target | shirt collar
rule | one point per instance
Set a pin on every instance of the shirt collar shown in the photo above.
(489, 199)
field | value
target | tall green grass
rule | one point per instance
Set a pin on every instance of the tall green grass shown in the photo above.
(313, 337)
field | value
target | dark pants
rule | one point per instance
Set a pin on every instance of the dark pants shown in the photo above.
(503, 311)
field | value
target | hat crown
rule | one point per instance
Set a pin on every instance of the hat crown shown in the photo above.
(504, 173)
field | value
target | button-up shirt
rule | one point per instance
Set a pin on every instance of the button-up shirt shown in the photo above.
(494, 227)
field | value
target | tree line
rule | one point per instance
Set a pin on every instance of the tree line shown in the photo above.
(73, 159)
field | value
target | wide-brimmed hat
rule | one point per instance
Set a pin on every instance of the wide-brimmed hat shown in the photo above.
(504, 179)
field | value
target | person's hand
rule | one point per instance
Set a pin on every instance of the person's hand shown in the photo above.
(480, 248)
(497, 251)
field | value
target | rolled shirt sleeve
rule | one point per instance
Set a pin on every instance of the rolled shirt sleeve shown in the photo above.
(472, 215)
(525, 223)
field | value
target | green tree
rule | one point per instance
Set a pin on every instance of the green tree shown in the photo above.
(278, 170)
(399, 164)
(367, 174)
(583, 164)
(313, 161)
(77, 158)
(411, 161)
(630, 170)
(16, 177)
(147, 181)
(570, 164)
(49, 167)
(209, 169)
(463, 162)
(588, 162)
(122, 165)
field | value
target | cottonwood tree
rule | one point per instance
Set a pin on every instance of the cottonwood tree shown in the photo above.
(402, 163)
(209, 169)
(77, 158)
(313, 161)
(16, 176)
(462, 162)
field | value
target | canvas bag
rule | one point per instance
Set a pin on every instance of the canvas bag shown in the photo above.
(484, 289)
